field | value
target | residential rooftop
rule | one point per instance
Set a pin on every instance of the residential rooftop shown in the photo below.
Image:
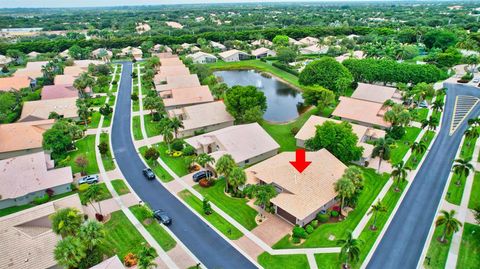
(361, 111)
(186, 96)
(14, 83)
(198, 116)
(375, 93)
(60, 91)
(41, 109)
(183, 81)
(23, 135)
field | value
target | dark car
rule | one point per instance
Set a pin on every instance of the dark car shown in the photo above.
(162, 217)
(148, 173)
(202, 174)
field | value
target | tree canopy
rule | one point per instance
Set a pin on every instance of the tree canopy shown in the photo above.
(328, 73)
(244, 101)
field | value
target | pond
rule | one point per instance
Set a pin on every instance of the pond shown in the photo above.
(284, 103)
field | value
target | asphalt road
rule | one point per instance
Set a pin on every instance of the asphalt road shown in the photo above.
(403, 242)
(211, 249)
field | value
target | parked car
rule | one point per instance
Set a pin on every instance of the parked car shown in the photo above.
(89, 179)
(148, 173)
(202, 174)
(162, 217)
(476, 80)
(423, 104)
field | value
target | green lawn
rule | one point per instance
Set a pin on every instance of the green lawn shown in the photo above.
(104, 194)
(94, 120)
(136, 128)
(177, 164)
(107, 121)
(135, 105)
(257, 65)
(415, 159)
(237, 208)
(401, 147)
(14, 209)
(97, 101)
(455, 191)
(268, 261)
(420, 114)
(121, 236)
(120, 187)
(151, 127)
(467, 148)
(282, 133)
(469, 256)
(161, 173)
(85, 147)
(328, 260)
(111, 100)
(215, 219)
(107, 159)
(373, 184)
(162, 237)
(475, 194)
(437, 252)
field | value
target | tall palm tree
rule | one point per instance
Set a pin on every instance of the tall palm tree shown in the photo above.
(224, 166)
(344, 188)
(418, 148)
(82, 82)
(237, 178)
(431, 123)
(69, 252)
(382, 150)
(438, 105)
(399, 173)
(462, 168)
(176, 124)
(471, 134)
(92, 194)
(66, 221)
(83, 111)
(450, 223)
(146, 257)
(376, 208)
(167, 133)
(92, 233)
(350, 248)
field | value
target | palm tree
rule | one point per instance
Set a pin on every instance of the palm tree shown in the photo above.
(150, 103)
(350, 248)
(83, 111)
(92, 233)
(69, 252)
(82, 82)
(462, 168)
(146, 257)
(450, 223)
(236, 178)
(418, 148)
(471, 134)
(344, 188)
(399, 173)
(203, 159)
(167, 134)
(438, 105)
(66, 221)
(431, 123)
(382, 150)
(176, 123)
(376, 208)
(263, 193)
(92, 194)
(224, 167)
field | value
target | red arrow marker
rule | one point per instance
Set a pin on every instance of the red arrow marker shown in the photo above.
(300, 163)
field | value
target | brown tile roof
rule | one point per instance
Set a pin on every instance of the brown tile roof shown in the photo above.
(41, 109)
(184, 81)
(171, 61)
(360, 110)
(59, 91)
(186, 96)
(202, 115)
(23, 135)
(373, 93)
(14, 83)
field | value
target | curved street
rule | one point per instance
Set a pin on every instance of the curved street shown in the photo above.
(210, 248)
(403, 242)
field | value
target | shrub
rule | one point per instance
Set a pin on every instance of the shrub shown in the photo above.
(295, 240)
(199, 132)
(83, 187)
(285, 68)
(177, 145)
(92, 258)
(299, 232)
(188, 150)
(323, 218)
(134, 96)
(294, 130)
(177, 154)
(130, 260)
(309, 229)
(396, 132)
(334, 214)
(204, 183)
(314, 223)
(156, 116)
(41, 200)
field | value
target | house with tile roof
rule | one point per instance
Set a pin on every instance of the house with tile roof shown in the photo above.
(233, 55)
(202, 57)
(15, 83)
(41, 109)
(61, 91)
(173, 82)
(180, 97)
(24, 178)
(263, 52)
(301, 196)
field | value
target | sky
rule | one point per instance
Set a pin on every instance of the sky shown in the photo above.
(99, 3)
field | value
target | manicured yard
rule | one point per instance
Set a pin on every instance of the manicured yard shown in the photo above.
(121, 236)
(283, 261)
(85, 147)
(373, 183)
(94, 120)
(420, 114)
(401, 147)
(136, 128)
(455, 191)
(162, 237)
(467, 148)
(135, 105)
(111, 100)
(104, 194)
(415, 159)
(282, 133)
(14, 209)
(97, 101)
(177, 164)
(107, 159)
(475, 194)
(215, 219)
(120, 186)
(151, 127)
(237, 208)
(437, 252)
(107, 121)
(161, 173)
(469, 256)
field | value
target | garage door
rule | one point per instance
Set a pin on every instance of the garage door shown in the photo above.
(284, 214)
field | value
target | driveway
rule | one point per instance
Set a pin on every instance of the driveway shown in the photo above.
(211, 249)
(403, 242)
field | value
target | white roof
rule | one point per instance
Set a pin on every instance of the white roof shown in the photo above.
(260, 51)
(111, 263)
(373, 93)
(201, 54)
(230, 53)
(41, 109)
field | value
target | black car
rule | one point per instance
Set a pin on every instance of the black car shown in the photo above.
(148, 173)
(202, 174)
(162, 217)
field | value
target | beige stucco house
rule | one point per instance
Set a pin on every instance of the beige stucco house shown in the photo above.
(202, 57)
(301, 196)
(363, 112)
(41, 109)
(180, 97)
(263, 52)
(237, 141)
(233, 55)
(180, 81)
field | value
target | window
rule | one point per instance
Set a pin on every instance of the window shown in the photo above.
(247, 161)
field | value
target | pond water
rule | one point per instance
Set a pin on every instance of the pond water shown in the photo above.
(284, 103)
